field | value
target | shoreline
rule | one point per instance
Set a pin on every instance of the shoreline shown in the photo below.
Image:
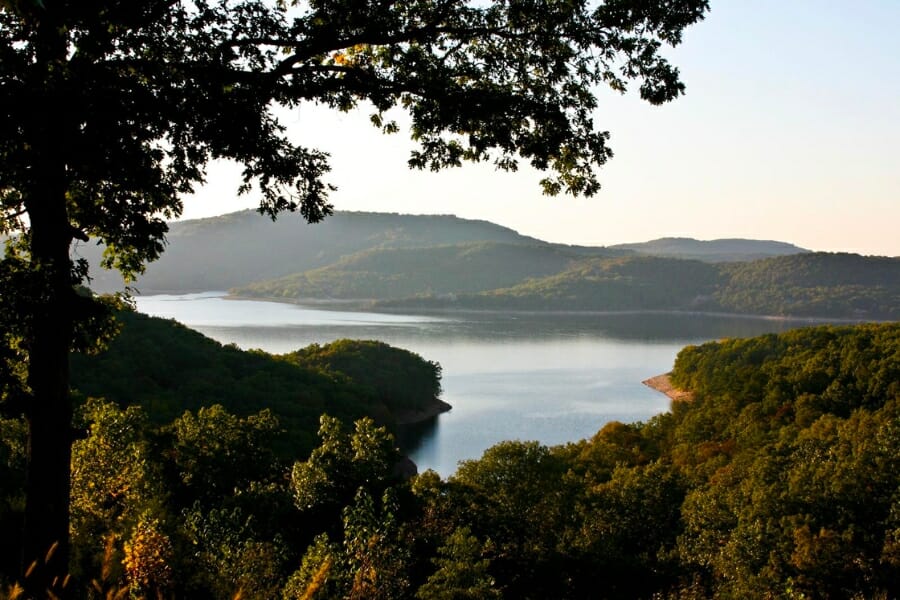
(663, 384)
(367, 306)
(411, 417)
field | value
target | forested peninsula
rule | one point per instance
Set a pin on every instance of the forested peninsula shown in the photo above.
(167, 369)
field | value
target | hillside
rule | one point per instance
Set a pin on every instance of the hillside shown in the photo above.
(232, 250)
(599, 284)
(397, 273)
(168, 369)
(437, 262)
(237, 249)
(822, 285)
(834, 284)
(778, 478)
(722, 250)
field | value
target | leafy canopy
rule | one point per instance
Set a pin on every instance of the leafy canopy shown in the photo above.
(144, 94)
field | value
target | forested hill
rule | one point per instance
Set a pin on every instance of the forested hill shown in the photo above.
(805, 285)
(240, 248)
(813, 284)
(168, 369)
(723, 250)
(398, 273)
(219, 253)
(821, 285)
(440, 262)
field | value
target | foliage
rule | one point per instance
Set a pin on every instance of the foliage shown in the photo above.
(397, 378)
(168, 368)
(796, 478)
(778, 479)
(343, 462)
(336, 490)
(391, 274)
(218, 454)
(12, 484)
(148, 556)
(116, 482)
(462, 572)
(228, 554)
(554, 278)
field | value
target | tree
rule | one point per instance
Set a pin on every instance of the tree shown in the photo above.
(116, 483)
(112, 109)
(517, 491)
(343, 463)
(462, 572)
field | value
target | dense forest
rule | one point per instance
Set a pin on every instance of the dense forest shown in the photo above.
(779, 477)
(824, 285)
(396, 273)
(418, 262)
(167, 368)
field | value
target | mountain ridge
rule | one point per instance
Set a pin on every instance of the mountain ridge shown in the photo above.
(244, 247)
(195, 258)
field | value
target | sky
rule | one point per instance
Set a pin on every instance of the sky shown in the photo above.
(789, 131)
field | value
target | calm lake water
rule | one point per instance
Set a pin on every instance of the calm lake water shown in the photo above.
(553, 379)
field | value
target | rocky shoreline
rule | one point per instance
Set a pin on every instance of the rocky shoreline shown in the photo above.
(663, 384)
(411, 417)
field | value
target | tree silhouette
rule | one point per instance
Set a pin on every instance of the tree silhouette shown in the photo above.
(112, 109)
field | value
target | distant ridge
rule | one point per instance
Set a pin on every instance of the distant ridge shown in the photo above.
(719, 250)
(218, 253)
(441, 262)
(244, 247)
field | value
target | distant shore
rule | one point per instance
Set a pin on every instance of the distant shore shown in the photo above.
(366, 305)
(663, 384)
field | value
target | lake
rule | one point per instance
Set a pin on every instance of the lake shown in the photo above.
(554, 379)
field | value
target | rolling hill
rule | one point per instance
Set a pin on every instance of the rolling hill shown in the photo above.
(396, 273)
(436, 262)
(168, 368)
(820, 285)
(722, 250)
(237, 249)
(219, 253)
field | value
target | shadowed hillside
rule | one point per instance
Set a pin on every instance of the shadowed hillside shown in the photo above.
(168, 369)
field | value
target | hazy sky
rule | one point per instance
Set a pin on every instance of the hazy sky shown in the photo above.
(790, 130)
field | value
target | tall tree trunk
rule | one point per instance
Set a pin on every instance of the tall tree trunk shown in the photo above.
(46, 528)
